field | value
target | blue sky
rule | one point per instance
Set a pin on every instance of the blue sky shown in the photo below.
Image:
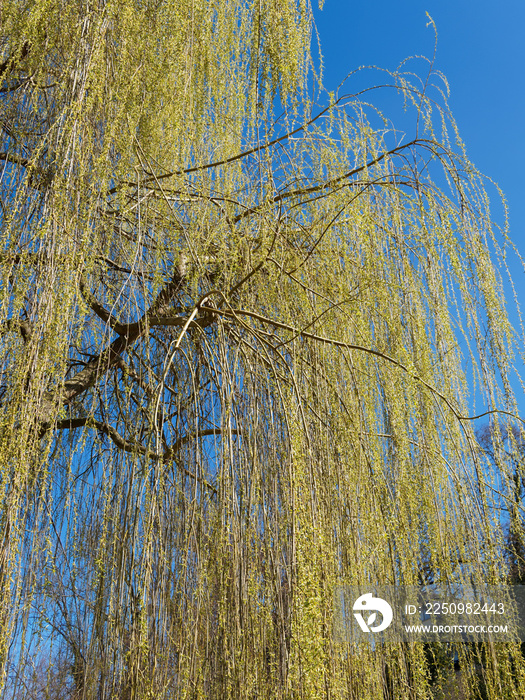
(480, 49)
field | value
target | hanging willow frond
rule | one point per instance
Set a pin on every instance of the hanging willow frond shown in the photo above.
(241, 357)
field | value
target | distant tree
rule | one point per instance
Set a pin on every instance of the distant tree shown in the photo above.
(233, 315)
(505, 447)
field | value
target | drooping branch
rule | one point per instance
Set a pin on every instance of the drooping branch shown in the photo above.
(136, 448)
(299, 333)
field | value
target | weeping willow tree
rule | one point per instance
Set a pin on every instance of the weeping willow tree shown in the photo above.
(245, 327)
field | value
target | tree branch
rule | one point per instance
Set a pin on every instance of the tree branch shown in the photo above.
(137, 448)
(18, 325)
(14, 158)
(10, 63)
(350, 346)
(100, 311)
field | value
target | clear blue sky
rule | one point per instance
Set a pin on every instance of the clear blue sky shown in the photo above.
(481, 50)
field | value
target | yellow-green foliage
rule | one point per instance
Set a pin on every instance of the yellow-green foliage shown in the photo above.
(243, 330)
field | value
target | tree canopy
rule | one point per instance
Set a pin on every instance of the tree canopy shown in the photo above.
(246, 327)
